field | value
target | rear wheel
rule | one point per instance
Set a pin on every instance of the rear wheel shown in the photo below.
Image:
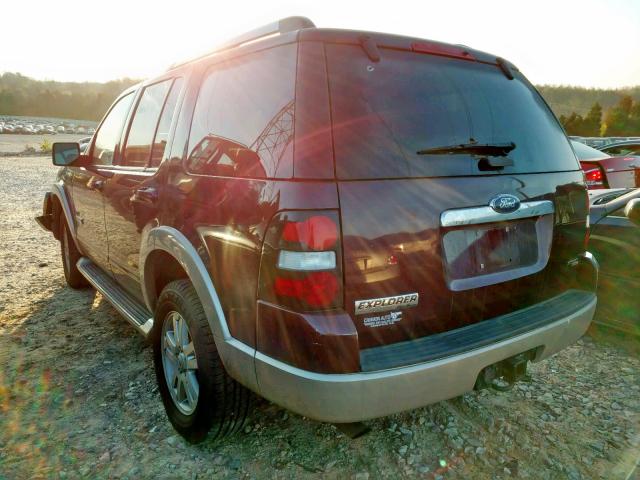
(197, 393)
(70, 256)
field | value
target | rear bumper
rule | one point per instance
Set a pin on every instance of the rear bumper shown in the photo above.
(343, 398)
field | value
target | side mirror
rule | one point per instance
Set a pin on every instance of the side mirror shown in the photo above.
(632, 211)
(65, 153)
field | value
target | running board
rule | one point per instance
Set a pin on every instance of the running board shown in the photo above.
(136, 313)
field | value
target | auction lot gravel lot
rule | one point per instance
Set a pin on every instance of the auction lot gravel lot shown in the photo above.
(15, 143)
(78, 396)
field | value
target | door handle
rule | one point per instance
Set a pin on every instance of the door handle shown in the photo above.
(148, 195)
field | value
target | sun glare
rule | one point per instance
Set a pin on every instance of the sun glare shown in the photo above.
(552, 42)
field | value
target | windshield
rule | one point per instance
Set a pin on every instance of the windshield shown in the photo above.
(585, 152)
(385, 113)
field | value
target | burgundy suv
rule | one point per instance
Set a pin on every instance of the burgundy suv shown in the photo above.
(349, 224)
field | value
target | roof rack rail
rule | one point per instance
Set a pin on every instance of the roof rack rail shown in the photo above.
(284, 25)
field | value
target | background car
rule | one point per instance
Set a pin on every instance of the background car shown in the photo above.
(604, 171)
(615, 242)
(627, 148)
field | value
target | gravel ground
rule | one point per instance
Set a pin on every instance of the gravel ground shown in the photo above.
(78, 396)
(15, 142)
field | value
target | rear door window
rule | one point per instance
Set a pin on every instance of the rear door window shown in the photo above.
(243, 121)
(143, 126)
(162, 131)
(384, 113)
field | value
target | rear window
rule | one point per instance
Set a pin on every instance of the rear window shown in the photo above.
(384, 113)
(585, 152)
(630, 149)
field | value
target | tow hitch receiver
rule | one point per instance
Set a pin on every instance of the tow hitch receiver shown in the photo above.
(504, 374)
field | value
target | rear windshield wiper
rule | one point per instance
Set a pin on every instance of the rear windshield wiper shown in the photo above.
(490, 149)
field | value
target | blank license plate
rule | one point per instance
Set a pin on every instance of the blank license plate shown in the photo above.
(484, 249)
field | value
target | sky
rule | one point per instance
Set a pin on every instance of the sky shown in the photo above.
(590, 43)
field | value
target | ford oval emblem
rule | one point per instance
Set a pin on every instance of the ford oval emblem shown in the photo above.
(505, 203)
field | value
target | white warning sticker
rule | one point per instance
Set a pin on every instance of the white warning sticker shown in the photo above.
(383, 320)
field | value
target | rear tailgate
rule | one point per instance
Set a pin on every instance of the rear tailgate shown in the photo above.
(394, 244)
(407, 272)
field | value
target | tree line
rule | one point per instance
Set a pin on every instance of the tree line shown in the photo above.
(621, 120)
(24, 96)
(614, 113)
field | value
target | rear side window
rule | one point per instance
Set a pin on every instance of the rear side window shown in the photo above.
(143, 125)
(243, 121)
(108, 135)
(384, 113)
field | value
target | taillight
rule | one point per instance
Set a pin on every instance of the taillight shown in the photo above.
(316, 289)
(593, 176)
(301, 265)
(317, 232)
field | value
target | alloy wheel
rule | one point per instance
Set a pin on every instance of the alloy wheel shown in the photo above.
(180, 363)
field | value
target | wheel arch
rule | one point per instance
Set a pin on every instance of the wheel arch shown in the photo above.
(237, 357)
(61, 206)
(168, 245)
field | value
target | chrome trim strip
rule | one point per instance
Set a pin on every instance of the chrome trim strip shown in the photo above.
(344, 398)
(475, 215)
(544, 232)
(144, 328)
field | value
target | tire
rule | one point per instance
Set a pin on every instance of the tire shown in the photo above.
(222, 404)
(70, 256)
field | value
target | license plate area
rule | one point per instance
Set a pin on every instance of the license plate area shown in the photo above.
(489, 251)
(491, 248)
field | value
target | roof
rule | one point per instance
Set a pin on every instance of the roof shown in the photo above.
(293, 29)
